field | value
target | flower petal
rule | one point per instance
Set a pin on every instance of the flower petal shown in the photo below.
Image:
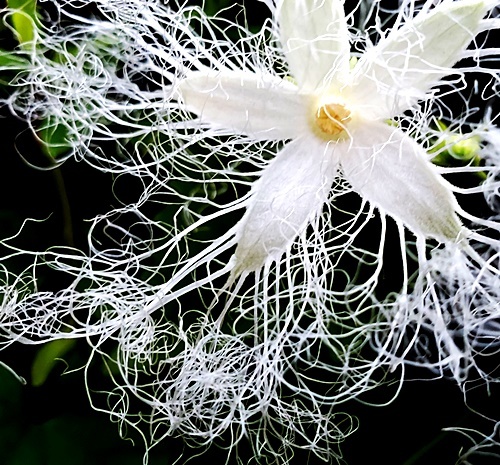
(315, 39)
(390, 170)
(288, 195)
(265, 108)
(402, 68)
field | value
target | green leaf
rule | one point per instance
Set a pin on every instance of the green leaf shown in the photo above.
(212, 7)
(46, 359)
(54, 136)
(26, 450)
(10, 60)
(24, 19)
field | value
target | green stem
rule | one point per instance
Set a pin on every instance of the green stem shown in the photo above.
(424, 450)
(65, 207)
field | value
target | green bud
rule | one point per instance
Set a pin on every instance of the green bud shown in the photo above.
(465, 149)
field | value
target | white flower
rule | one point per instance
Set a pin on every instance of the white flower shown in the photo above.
(277, 348)
(337, 120)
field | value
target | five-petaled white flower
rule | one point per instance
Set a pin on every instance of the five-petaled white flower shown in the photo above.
(292, 348)
(336, 118)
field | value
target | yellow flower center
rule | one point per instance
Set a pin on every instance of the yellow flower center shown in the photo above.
(331, 120)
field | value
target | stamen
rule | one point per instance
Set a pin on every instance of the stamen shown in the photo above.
(332, 118)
